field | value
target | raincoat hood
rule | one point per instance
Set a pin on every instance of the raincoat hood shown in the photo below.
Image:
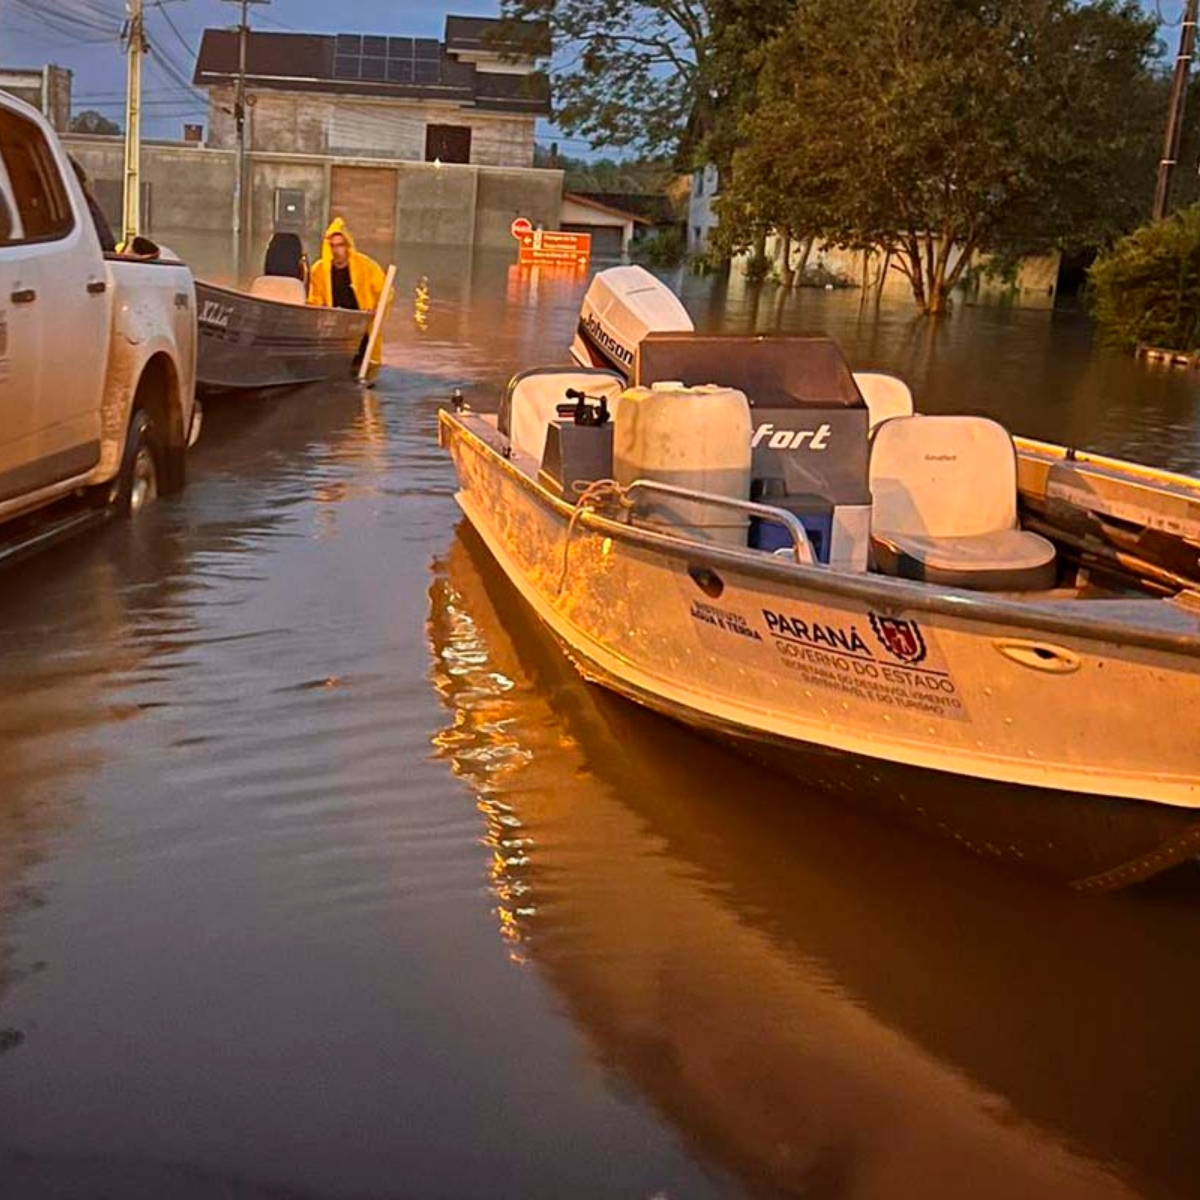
(337, 225)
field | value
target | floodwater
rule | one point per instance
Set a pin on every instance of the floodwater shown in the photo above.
(322, 874)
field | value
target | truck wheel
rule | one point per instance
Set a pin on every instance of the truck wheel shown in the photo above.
(141, 467)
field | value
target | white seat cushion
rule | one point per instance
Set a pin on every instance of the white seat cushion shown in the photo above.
(280, 288)
(533, 399)
(945, 507)
(886, 396)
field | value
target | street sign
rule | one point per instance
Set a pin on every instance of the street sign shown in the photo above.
(550, 248)
(521, 225)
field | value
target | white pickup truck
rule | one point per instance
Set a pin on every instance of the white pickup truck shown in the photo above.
(97, 352)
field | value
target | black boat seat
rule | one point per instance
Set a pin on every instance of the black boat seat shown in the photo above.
(279, 288)
(944, 493)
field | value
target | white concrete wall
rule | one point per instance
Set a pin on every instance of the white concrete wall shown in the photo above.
(576, 214)
(360, 127)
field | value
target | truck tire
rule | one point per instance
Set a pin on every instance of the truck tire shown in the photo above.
(143, 462)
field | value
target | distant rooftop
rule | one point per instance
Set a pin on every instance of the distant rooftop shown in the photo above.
(479, 63)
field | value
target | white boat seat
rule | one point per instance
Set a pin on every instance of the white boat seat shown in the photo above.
(533, 397)
(886, 396)
(281, 288)
(944, 491)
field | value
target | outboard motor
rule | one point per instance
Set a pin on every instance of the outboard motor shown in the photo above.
(622, 306)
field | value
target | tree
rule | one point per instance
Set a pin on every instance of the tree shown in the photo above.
(1146, 289)
(659, 77)
(933, 129)
(90, 121)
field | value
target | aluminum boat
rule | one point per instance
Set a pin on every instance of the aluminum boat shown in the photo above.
(997, 640)
(269, 337)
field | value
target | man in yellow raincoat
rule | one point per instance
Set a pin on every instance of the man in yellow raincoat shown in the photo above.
(344, 277)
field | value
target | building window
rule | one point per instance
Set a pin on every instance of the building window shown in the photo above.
(448, 143)
(698, 184)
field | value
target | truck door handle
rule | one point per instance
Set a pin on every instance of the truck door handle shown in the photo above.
(97, 287)
(23, 296)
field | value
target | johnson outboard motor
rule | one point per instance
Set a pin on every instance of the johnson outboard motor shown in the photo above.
(622, 306)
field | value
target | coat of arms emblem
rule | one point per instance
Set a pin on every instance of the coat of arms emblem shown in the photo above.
(901, 639)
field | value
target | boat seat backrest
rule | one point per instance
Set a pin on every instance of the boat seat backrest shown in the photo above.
(280, 288)
(533, 397)
(886, 396)
(943, 477)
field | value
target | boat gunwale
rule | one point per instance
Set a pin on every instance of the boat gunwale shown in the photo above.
(1059, 617)
(346, 315)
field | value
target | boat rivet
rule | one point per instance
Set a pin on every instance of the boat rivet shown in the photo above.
(1008, 720)
(987, 691)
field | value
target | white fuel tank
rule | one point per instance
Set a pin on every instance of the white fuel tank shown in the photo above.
(693, 437)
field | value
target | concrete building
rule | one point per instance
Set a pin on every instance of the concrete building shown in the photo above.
(47, 88)
(407, 139)
(187, 193)
(467, 99)
(611, 228)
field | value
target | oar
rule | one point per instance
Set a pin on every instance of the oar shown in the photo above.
(377, 324)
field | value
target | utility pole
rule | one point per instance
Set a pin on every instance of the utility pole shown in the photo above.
(1174, 131)
(239, 118)
(136, 46)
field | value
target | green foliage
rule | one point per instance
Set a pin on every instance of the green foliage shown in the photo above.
(659, 77)
(937, 128)
(665, 247)
(1146, 289)
(639, 176)
(90, 121)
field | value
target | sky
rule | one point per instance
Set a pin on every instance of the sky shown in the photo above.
(84, 36)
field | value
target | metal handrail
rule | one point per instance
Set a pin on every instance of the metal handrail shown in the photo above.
(768, 512)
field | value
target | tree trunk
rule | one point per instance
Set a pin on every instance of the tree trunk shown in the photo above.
(883, 271)
(787, 273)
(806, 249)
(916, 276)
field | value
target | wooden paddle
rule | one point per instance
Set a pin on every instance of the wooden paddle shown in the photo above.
(377, 324)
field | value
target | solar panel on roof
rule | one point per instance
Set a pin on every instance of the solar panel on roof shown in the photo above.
(399, 60)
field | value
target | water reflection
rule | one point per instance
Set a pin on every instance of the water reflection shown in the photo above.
(825, 1005)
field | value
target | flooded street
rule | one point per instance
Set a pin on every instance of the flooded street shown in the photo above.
(322, 875)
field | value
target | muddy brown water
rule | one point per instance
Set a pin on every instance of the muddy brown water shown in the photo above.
(322, 875)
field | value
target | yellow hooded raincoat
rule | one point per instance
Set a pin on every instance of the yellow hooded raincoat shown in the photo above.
(366, 277)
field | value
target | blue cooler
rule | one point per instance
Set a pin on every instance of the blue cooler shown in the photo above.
(815, 513)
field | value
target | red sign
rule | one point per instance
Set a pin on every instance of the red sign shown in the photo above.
(548, 247)
(521, 225)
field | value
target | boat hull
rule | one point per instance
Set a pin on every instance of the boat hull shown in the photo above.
(795, 663)
(248, 343)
